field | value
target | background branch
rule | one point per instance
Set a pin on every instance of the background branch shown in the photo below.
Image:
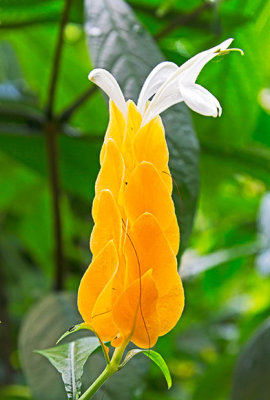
(67, 113)
(182, 19)
(5, 331)
(29, 22)
(51, 129)
(57, 58)
(21, 112)
(260, 158)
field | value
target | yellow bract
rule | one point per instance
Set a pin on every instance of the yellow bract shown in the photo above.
(132, 290)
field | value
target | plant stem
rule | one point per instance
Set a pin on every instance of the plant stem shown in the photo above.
(29, 22)
(57, 59)
(67, 113)
(110, 369)
(5, 330)
(183, 19)
(51, 130)
(98, 383)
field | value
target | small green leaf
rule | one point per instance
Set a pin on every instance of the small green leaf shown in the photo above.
(73, 329)
(84, 325)
(69, 360)
(154, 356)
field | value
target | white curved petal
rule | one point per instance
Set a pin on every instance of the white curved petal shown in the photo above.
(170, 97)
(192, 67)
(200, 100)
(153, 82)
(189, 71)
(106, 81)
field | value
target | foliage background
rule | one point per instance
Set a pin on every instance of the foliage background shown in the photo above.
(46, 100)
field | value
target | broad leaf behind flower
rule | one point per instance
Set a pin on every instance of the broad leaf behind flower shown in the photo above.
(118, 42)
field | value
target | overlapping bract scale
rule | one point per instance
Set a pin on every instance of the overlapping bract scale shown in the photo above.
(132, 290)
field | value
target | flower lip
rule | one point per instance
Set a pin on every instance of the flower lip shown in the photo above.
(227, 51)
(186, 75)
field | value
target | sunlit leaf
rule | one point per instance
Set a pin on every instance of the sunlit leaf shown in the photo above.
(15, 11)
(69, 360)
(154, 356)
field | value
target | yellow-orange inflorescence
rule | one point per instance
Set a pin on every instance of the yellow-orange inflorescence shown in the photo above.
(132, 291)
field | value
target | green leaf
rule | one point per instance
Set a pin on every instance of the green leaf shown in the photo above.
(73, 329)
(18, 11)
(15, 13)
(154, 356)
(69, 360)
(251, 376)
(119, 43)
(84, 325)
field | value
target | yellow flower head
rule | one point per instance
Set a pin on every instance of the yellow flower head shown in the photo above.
(132, 290)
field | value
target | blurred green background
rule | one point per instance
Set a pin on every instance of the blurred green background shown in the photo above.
(52, 122)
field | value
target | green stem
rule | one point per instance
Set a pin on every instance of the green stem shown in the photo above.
(97, 384)
(110, 369)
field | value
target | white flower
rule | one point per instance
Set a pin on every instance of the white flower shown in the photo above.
(170, 85)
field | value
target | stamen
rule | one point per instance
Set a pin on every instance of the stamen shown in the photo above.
(227, 51)
(197, 98)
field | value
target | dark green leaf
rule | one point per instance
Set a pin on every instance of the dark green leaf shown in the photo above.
(263, 258)
(154, 356)
(69, 360)
(40, 330)
(119, 43)
(251, 376)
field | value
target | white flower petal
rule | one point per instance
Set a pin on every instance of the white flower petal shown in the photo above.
(153, 82)
(190, 70)
(170, 97)
(200, 100)
(187, 75)
(106, 81)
